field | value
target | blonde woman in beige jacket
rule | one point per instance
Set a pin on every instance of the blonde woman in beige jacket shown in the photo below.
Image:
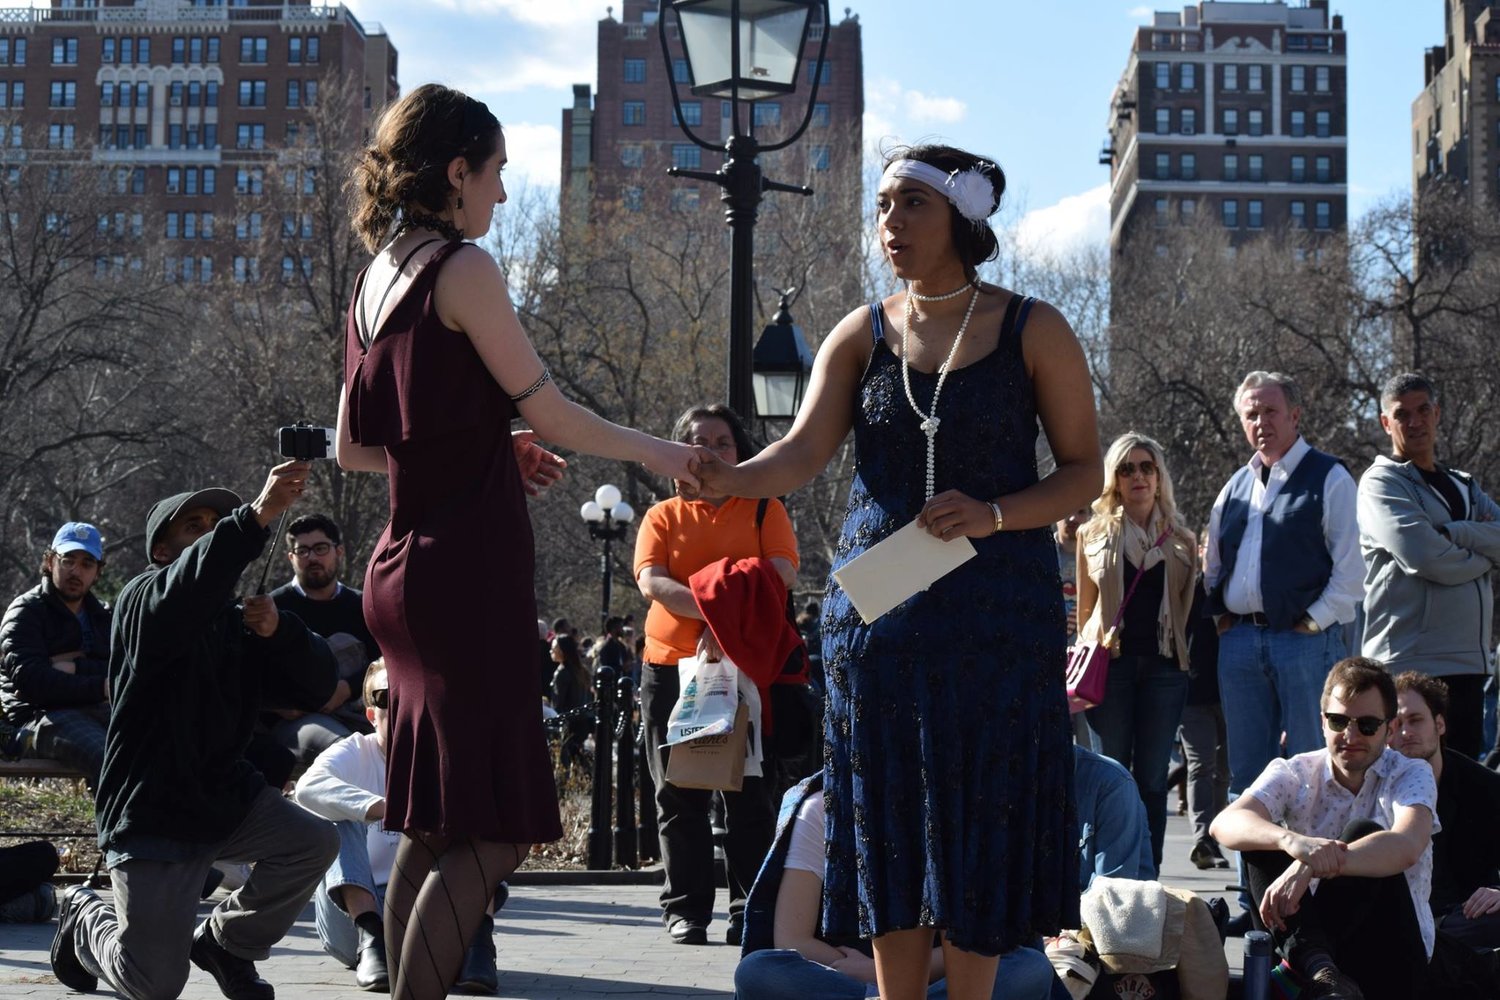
(1148, 680)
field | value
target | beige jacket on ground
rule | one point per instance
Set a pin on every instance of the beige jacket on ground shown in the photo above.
(1099, 560)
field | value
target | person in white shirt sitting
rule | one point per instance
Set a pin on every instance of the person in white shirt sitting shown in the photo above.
(346, 784)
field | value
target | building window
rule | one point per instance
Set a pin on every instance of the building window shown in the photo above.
(681, 73)
(1230, 212)
(195, 94)
(210, 177)
(127, 51)
(294, 93)
(250, 135)
(686, 156)
(174, 136)
(172, 225)
(1323, 124)
(190, 180)
(12, 52)
(60, 136)
(1189, 121)
(767, 113)
(1163, 76)
(1231, 121)
(1256, 164)
(213, 49)
(211, 136)
(1323, 215)
(143, 51)
(142, 95)
(65, 52)
(1163, 121)
(1323, 169)
(1188, 163)
(825, 77)
(635, 112)
(1320, 79)
(1162, 214)
(1231, 77)
(253, 49)
(1257, 121)
(249, 180)
(17, 93)
(246, 269)
(692, 113)
(1299, 124)
(1187, 76)
(294, 50)
(309, 93)
(1255, 213)
(174, 180)
(248, 226)
(107, 50)
(1255, 77)
(635, 71)
(174, 93)
(818, 157)
(1299, 169)
(1231, 166)
(821, 115)
(1297, 82)
(631, 198)
(685, 199)
(195, 50)
(179, 51)
(632, 156)
(252, 93)
(1187, 211)
(1163, 166)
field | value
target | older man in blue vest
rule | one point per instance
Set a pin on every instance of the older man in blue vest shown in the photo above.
(1283, 574)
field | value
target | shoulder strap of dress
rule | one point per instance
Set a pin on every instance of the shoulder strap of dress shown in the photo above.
(366, 335)
(877, 321)
(1015, 315)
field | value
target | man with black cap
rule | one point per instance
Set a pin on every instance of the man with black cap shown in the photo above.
(188, 670)
(54, 654)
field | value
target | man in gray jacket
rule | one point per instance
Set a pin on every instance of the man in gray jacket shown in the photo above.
(1430, 537)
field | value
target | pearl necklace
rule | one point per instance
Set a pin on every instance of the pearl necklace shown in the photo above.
(930, 421)
(938, 298)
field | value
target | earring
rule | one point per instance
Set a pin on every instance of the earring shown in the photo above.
(460, 202)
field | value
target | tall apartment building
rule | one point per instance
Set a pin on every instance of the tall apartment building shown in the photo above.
(182, 106)
(618, 143)
(1455, 121)
(1236, 110)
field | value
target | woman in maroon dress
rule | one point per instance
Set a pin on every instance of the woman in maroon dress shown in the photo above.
(436, 368)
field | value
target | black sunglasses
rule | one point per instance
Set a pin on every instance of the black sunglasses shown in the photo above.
(381, 698)
(1127, 469)
(1368, 725)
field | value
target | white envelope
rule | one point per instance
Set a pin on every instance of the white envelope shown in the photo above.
(906, 563)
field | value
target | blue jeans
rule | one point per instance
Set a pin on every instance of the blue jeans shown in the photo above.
(778, 973)
(352, 868)
(1271, 682)
(1137, 726)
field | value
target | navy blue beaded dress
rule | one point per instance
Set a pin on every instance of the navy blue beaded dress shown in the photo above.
(949, 766)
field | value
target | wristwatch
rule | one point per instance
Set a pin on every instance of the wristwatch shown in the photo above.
(1311, 624)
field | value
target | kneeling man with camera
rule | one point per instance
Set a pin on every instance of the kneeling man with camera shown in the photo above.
(1338, 843)
(189, 669)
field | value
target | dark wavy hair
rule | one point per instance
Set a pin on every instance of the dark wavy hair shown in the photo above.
(975, 245)
(744, 445)
(405, 169)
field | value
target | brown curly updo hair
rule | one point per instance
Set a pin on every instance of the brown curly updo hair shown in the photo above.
(974, 244)
(405, 169)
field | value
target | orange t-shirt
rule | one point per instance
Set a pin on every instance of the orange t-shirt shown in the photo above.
(683, 536)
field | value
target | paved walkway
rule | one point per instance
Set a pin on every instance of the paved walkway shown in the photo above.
(556, 942)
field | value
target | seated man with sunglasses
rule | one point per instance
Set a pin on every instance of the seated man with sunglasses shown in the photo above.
(346, 785)
(315, 550)
(1338, 844)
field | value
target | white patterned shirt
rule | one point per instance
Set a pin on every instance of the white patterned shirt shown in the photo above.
(1302, 795)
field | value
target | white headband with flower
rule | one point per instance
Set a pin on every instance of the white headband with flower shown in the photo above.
(970, 191)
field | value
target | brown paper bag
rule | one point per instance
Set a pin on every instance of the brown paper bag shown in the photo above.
(713, 762)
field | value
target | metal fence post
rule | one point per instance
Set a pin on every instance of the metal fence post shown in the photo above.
(625, 851)
(603, 785)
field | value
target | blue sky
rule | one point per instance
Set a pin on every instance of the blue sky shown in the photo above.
(1025, 82)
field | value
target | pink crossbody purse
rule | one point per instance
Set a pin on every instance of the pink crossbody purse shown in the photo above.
(1088, 662)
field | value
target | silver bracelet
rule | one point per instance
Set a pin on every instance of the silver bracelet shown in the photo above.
(533, 388)
(999, 517)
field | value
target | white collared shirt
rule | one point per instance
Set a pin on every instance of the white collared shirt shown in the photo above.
(1346, 582)
(1302, 795)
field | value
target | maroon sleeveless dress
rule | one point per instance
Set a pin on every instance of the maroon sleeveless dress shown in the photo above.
(449, 593)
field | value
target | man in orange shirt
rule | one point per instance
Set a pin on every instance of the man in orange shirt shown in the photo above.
(677, 538)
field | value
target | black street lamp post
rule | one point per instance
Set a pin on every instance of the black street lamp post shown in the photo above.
(782, 364)
(742, 51)
(607, 515)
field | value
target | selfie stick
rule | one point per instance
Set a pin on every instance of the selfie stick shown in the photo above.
(275, 545)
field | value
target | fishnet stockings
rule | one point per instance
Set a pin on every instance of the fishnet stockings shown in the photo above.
(437, 894)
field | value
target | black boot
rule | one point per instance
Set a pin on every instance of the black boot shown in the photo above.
(370, 972)
(236, 976)
(479, 974)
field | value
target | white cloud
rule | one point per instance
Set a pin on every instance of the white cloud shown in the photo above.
(534, 152)
(1076, 221)
(547, 13)
(927, 109)
(552, 71)
(1137, 13)
(890, 100)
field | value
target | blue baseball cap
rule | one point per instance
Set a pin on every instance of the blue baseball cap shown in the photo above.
(78, 536)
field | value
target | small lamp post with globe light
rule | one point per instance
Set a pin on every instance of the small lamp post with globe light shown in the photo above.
(607, 515)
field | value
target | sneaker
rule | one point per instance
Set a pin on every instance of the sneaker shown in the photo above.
(34, 907)
(479, 975)
(684, 931)
(236, 976)
(1202, 856)
(1328, 983)
(65, 964)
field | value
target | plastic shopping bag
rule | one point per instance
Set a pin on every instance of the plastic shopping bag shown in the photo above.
(707, 701)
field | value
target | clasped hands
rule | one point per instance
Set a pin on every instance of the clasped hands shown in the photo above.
(1312, 857)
